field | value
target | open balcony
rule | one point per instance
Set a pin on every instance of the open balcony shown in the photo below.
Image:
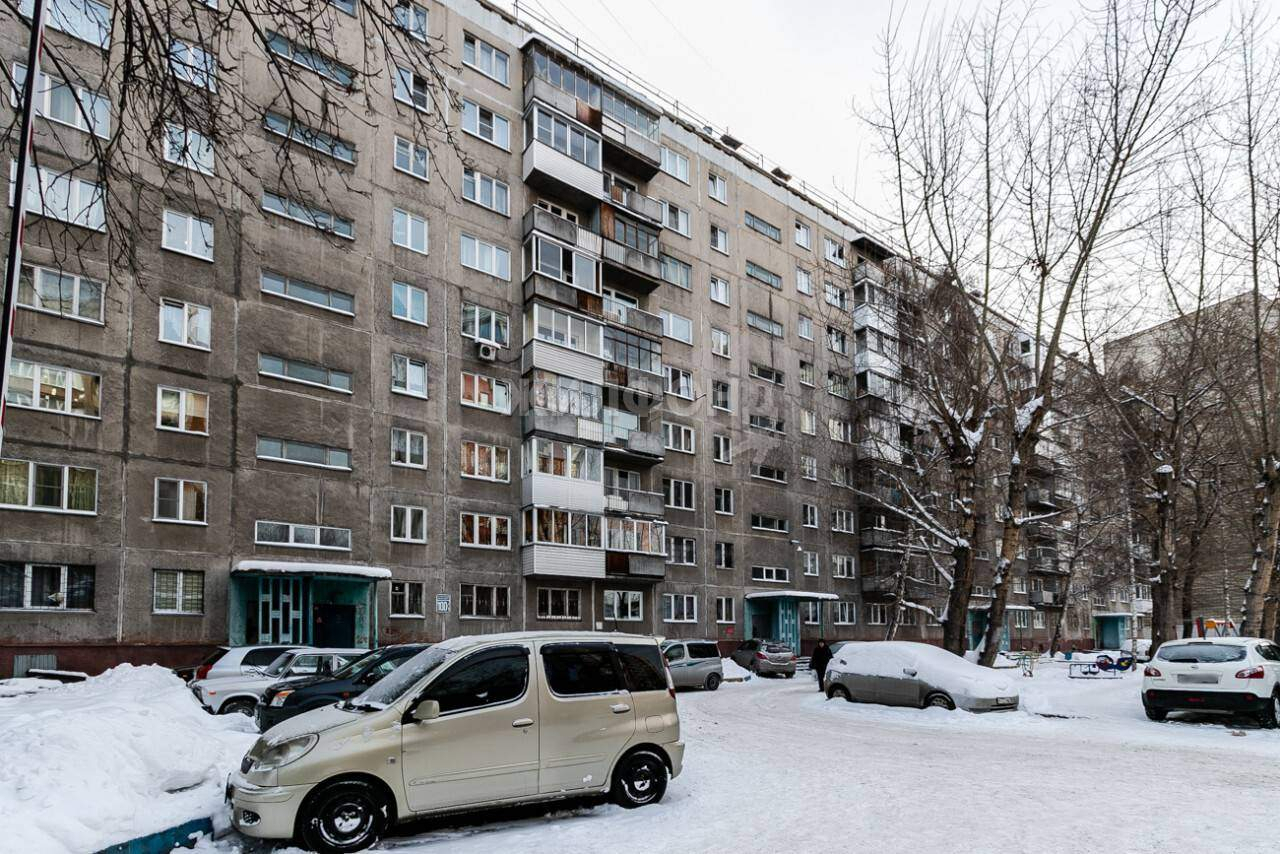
(880, 538)
(1045, 599)
(631, 387)
(637, 270)
(633, 501)
(1040, 496)
(635, 447)
(635, 152)
(632, 201)
(635, 319)
(865, 271)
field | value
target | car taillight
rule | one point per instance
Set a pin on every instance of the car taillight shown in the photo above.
(671, 683)
(793, 656)
(202, 671)
(1251, 673)
(1150, 671)
(762, 656)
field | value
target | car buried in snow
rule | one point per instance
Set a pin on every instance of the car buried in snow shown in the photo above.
(920, 675)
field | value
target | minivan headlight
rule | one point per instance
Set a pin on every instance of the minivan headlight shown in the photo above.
(279, 753)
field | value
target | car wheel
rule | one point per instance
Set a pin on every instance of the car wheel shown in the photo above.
(1269, 716)
(839, 691)
(238, 707)
(343, 817)
(1155, 714)
(791, 675)
(639, 779)
(713, 682)
(939, 701)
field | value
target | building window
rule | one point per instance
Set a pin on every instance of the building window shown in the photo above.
(486, 124)
(310, 59)
(833, 251)
(623, 605)
(804, 237)
(759, 225)
(767, 472)
(722, 449)
(409, 303)
(811, 612)
(840, 430)
(677, 272)
(675, 218)
(1021, 619)
(486, 462)
(810, 563)
(766, 373)
(408, 524)
(875, 614)
(303, 453)
(677, 326)
(837, 341)
(767, 423)
(808, 422)
(559, 603)
(408, 376)
(771, 574)
(724, 555)
(409, 231)
(51, 388)
(193, 64)
(411, 18)
(682, 551)
(843, 566)
(675, 164)
(777, 525)
(808, 467)
(717, 188)
(804, 282)
(307, 292)
(679, 608)
(485, 191)
(288, 535)
(765, 324)
(486, 257)
(485, 58)
(55, 292)
(678, 494)
(177, 591)
(486, 393)
(46, 587)
(807, 376)
(719, 290)
(677, 437)
(188, 149)
(412, 89)
(407, 598)
(485, 325)
(188, 235)
(180, 501)
(838, 385)
(678, 382)
(804, 327)
(835, 296)
(86, 20)
(413, 159)
(484, 601)
(182, 410)
(724, 610)
(317, 140)
(408, 448)
(484, 531)
(721, 342)
(842, 520)
(760, 274)
(810, 515)
(635, 535)
(318, 218)
(724, 501)
(304, 373)
(846, 614)
(569, 138)
(62, 196)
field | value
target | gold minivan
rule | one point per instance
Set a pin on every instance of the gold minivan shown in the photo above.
(471, 722)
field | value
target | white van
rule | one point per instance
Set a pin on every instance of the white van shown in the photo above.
(470, 722)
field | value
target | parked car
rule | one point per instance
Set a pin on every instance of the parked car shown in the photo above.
(283, 700)
(694, 664)
(234, 661)
(904, 673)
(474, 721)
(1214, 675)
(239, 694)
(766, 658)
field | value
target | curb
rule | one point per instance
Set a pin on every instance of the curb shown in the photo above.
(163, 841)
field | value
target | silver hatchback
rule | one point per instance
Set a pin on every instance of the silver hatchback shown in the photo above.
(766, 658)
(694, 663)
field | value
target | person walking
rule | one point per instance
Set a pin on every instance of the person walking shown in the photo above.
(818, 662)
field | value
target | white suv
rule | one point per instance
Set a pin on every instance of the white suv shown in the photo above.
(1214, 675)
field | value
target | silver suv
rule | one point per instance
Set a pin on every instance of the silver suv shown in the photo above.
(766, 658)
(694, 663)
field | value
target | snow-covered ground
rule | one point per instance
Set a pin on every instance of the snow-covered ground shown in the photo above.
(91, 764)
(770, 765)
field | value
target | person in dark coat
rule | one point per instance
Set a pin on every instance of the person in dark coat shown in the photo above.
(818, 663)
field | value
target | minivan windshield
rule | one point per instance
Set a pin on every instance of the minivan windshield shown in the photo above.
(399, 681)
(1201, 653)
(278, 666)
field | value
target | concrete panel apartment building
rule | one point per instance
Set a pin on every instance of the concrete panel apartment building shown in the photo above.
(583, 382)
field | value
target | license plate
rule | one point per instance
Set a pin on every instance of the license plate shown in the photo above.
(1197, 679)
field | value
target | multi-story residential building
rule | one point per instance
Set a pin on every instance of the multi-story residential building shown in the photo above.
(582, 379)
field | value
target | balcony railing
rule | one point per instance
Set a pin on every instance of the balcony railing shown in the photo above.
(866, 270)
(881, 538)
(628, 315)
(618, 499)
(632, 200)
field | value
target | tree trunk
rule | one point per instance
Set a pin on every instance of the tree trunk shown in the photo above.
(955, 627)
(1165, 606)
(1012, 533)
(1265, 515)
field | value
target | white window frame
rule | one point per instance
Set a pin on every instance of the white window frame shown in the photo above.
(475, 45)
(669, 488)
(726, 611)
(85, 201)
(493, 597)
(572, 599)
(716, 385)
(724, 550)
(723, 498)
(190, 225)
(717, 188)
(804, 281)
(804, 235)
(498, 256)
(719, 290)
(410, 364)
(809, 515)
(407, 599)
(192, 63)
(411, 292)
(412, 225)
(180, 575)
(811, 562)
(183, 398)
(413, 154)
(475, 460)
(188, 153)
(478, 180)
(293, 543)
(675, 218)
(37, 273)
(671, 372)
(472, 109)
(844, 566)
(687, 548)
(182, 501)
(669, 319)
(186, 319)
(771, 574)
(475, 529)
(845, 613)
(808, 467)
(722, 449)
(721, 343)
(688, 601)
(674, 164)
(843, 520)
(65, 481)
(405, 88)
(622, 603)
(409, 436)
(409, 512)
(804, 327)
(477, 402)
(37, 382)
(679, 438)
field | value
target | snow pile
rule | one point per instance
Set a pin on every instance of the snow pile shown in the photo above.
(19, 686)
(103, 761)
(734, 671)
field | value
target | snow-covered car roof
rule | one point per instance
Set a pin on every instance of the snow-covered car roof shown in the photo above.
(932, 664)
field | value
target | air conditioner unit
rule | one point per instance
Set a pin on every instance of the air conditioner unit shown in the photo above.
(486, 352)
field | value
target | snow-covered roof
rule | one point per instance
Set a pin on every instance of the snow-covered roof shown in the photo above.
(790, 594)
(984, 606)
(289, 567)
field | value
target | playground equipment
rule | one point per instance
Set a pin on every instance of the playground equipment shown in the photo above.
(1103, 666)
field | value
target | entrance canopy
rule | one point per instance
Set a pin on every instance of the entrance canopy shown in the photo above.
(292, 566)
(301, 602)
(791, 594)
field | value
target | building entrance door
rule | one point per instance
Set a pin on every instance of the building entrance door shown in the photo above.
(335, 625)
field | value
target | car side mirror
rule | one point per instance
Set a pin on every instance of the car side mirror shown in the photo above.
(426, 710)
(909, 671)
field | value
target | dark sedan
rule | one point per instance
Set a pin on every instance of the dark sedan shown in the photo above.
(286, 699)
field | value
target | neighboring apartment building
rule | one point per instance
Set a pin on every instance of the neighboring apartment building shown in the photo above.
(581, 383)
